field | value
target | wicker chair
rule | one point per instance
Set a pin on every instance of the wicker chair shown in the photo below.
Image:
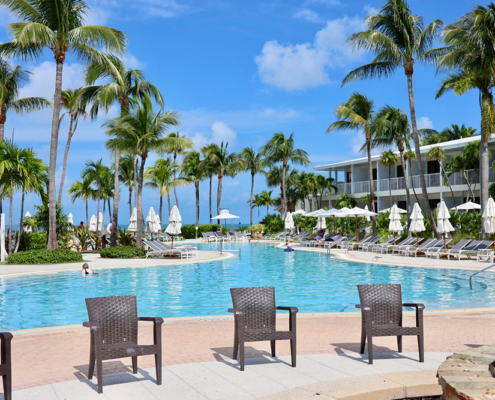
(255, 318)
(381, 315)
(6, 364)
(113, 323)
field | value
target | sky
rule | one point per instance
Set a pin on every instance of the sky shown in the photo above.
(237, 72)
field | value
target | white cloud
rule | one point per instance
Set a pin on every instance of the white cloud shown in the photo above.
(370, 10)
(220, 132)
(324, 2)
(307, 15)
(425, 123)
(133, 62)
(300, 66)
(97, 16)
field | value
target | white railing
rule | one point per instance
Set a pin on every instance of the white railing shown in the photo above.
(363, 187)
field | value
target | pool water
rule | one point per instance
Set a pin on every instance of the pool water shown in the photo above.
(313, 282)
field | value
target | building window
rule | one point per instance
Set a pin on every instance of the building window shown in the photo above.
(433, 204)
(375, 174)
(400, 171)
(348, 177)
(433, 167)
(402, 204)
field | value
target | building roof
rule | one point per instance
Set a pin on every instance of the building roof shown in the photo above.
(451, 145)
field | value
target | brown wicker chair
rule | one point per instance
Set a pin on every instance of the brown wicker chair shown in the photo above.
(113, 323)
(255, 318)
(381, 315)
(6, 364)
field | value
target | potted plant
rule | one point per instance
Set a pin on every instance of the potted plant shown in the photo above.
(257, 231)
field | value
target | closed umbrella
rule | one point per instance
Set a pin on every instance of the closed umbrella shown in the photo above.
(174, 223)
(367, 209)
(27, 228)
(332, 213)
(394, 225)
(158, 223)
(489, 215)
(92, 223)
(417, 222)
(70, 220)
(100, 221)
(151, 222)
(443, 224)
(322, 224)
(355, 212)
(288, 223)
(133, 225)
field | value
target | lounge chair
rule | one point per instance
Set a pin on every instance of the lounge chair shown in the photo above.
(381, 315)
(458, 247)
(384, 247)
(375, 247)
(113, 322)
(398, 247)
(433, 251)
(404, 248)
(371, 241)
(255, 317)
(366, 242)
(159, 249)
(331, 244)
(423, 247)
(484, 253)
(469, 249)
(6, 364)
(348, 240)
(240, 236)
(220, 236)
(209, 236)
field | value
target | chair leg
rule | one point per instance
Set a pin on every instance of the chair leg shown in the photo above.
(399, 343)
(134, 365)
(370, 349)
(241, 355)
(272, 343)
(236, 346)
(293, 352)
(363, 339)
(7, 386)
(158, 367)
(421, 348)
(91, 369)
(99, 373)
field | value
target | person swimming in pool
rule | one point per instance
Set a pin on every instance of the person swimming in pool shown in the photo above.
(87, 271)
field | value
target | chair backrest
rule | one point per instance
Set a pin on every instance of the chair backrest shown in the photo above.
(473, 245)
(485, 245)
(408, 241)
(117, 316)
(258, 306)
(152, 244)
(429, 243)
(389, 241)
(385, 302)
(461, 244)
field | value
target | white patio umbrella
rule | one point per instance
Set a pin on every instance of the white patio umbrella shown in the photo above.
(394, 225)
(158, 223)
(417, 222)
(100, 221)
(302, 212)
(288, 224)
(321, 224)
(27, 228)
(489, 215)
(133, 225)
(443, 224)
(315, 213)
(225, 215)
(355, 212)
(332, 213)
(92, 223)
(401, 210)
(151, 227)
(468, 206)
(70, 220)
(174, 223)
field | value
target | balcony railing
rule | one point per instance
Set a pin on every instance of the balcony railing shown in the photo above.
(364, 186)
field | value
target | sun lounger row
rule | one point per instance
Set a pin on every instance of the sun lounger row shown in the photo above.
(155, 248)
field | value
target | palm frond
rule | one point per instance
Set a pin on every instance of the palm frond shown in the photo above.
(101, 36)
(370, 71)
(29, 104)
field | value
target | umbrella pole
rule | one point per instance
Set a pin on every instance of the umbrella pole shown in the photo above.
(394, 238)
(417, 239)
(334, 225)
(357, 233)
(444, 242)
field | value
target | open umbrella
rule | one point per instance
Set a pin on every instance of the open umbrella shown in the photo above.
(332, 213)
(92, 223)
(401, 210)
(174, 223)
(133, 225)
(443, 224)
(27, 228)
(315, 213)
(225, 214)
(302, 212)
(468, 206)
(417, 222)
(355, 212)
(394, 225)
(489, 215)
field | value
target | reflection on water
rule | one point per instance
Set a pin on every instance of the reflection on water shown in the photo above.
(311, 281)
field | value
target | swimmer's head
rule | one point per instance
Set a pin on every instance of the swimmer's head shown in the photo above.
(85, 266)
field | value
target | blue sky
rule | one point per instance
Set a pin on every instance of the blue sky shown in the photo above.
(238, 71)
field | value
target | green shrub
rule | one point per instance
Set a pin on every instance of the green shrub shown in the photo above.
(122, 252)
(258, 228)
(56, 256)
(189, 231)
(37, 240)
(273, 223)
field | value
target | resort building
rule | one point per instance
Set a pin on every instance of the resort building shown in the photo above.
(352, 177)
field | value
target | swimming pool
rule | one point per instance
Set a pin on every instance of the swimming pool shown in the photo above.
(312, 282)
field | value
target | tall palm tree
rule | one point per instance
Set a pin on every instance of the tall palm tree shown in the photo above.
(121, 86)
(266, 199)
(392, 128)
(399, 39)
(357, 113)
(82, 190)
(176, 144)
(209, 168)
(97, 173)
(254, 163)
(59, 27)
(193, 171)
(410, 156)
(126, 175)
(304, 186)
(224, 163)
(76, 108)
(281, 149)
(390, 159)
(470, 59)
(257, 202)
(438, 153)
(323, 184)
(140, 132)
(455, 132)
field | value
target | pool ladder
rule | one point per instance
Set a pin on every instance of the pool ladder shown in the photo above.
(229, 250)
(476, 273)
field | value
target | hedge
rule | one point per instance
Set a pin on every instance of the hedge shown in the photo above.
(122, 252)
(189, 231)
(56, 256)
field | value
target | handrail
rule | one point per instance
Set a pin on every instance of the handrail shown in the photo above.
(238, 248)
(476, 273)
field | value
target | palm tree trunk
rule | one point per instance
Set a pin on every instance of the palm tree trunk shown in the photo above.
(161, 206)
(52, 195)
(139, 232)
(408, 195)
(116, 199)
(2, 136)
(412, 183)
(175, 190)
(10, 213)
(284, 206)
(66, 154)
(389, 187)
(251, 201)
(87, 214)
(219, 197)
(168, 197)
(197, 206)
(448, 182)
(2, 130)
(20, 224)
(136, 193)
(468, 184)
(486, 113)
(267, 206)
(109, 209)
(418, 153)
(130, 200)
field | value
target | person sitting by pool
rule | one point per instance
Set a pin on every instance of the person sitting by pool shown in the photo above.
(320, 236)
(86, 270)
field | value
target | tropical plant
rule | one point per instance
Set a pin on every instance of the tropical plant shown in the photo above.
(345, 200)
(273, 223)
(410, 156)
(82, 190)
(125, 238)
(390, 159)
(176, 144)
(84, 239)
(437, 153)
(366, 199)
(193, 171)
(254, 163)
(258, 228)
(97, 174)
(257, 202)
(281, 149)
(266, 199)
(322, 185)
(42, 220)
(122, 252)
(126, 175)
(398, 39)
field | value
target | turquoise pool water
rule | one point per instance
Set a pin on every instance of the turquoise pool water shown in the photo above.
(313, 282)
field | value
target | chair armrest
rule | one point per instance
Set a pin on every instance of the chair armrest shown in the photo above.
(364, 308)
(6, 336)
(236, 312)
(92, 325)
(291, 309)
(155, 320)
(417, 306)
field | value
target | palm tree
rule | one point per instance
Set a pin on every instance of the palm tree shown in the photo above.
(266, 199)
(209, 169)
(122, 86)
(437, 153)
(357, 113)
(280, 149)
(254, 163)
(323, 184)
(257, 202)
(59, 27)
(225, 164)
(126, 175)
(96, 173)
(304, 185)
(398, 39)
(82, 190)
(345, 200)
(410, 156)
(390, 159)
(193, 171)
(72, 102)
(140, 132)
(176, 144)
(456, 132)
